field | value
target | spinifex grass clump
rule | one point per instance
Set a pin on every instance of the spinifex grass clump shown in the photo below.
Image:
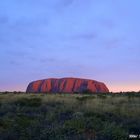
(29, 102)
(66, 117)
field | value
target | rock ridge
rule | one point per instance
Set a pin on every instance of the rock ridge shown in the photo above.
(66, 85)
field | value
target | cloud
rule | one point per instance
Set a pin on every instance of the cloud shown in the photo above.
(46, 60)
(15, 58)
(31, 22)
(115, 43)
(65, 3)
(14, 63)
(80, 36)
(3, 19)
(85, 36)
(22, 31)
(18, 53)
(107, 23)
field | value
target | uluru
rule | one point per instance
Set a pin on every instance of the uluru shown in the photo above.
(66, 85)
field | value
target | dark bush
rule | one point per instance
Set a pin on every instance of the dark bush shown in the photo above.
(87, 91)
(85, 98)
(29, 118)
(29, 102)
(101, 96)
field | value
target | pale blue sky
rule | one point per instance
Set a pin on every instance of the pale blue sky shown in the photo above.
(95, 39)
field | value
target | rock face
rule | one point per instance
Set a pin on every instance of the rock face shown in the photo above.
(66, 85)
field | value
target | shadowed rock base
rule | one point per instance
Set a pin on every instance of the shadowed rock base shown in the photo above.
(66, 85)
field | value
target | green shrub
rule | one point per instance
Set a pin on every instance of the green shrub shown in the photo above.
(113, 131)
(23, 121)
(85, 98)
(29, 102)
(66, 117)
(74, 125)
(101, 96)
(53, 104)
(5, 124)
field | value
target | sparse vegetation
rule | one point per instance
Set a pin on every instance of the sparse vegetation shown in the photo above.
(66, 117)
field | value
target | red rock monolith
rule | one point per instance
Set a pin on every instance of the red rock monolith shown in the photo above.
(66, 85)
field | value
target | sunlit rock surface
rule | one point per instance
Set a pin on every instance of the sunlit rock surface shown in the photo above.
(66, 85)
